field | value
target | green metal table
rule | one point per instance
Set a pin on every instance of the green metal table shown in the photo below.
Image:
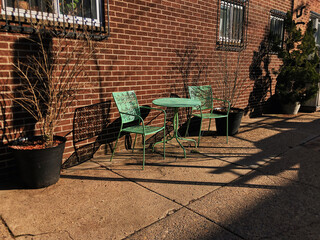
(177, 103)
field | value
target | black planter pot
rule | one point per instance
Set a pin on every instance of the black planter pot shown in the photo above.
(234, 121)
(39, 168)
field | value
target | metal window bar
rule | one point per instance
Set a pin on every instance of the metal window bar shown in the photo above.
(6, 15)
(63, 16)
(42, 11)
(232, 31)
(30, 13)
(90, 12)
(39, 14)
(82, 12)
(73, 19)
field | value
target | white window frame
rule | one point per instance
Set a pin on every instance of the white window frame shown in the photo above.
(56, 16)
(228, 36)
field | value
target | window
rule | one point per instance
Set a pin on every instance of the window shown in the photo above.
(232, 23)
(276, 30)
(315, 18)
(73, 11)
(72, 14)
(317, 34)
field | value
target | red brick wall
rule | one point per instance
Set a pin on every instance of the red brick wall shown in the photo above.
(144, 53)
(302, 9)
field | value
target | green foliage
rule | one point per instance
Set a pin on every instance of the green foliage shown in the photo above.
(71, 7)
(298, 78)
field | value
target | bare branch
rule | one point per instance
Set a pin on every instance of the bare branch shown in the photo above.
(50, 79)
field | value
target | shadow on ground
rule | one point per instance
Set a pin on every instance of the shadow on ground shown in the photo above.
(277, 199)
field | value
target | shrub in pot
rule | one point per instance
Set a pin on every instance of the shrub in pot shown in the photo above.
(48, 85)
(297, 79)
(230, 88)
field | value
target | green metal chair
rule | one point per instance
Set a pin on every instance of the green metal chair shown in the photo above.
(130, 114)
(204, 94)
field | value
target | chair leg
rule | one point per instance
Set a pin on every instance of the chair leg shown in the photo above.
(115, 146)
(209, 124)
(200, 132)
(227, 129)
(144, 150)
(164, 143)
(187, 130)
(134, 143)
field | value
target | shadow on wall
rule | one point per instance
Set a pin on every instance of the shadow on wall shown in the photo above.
(24, 50)
(7, 165)
(22, 124)
(259, 72)
(190, 69)
(90, 130)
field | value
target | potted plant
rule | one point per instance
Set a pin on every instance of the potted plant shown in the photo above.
(230, 88)
(48, 85)
(297, 79)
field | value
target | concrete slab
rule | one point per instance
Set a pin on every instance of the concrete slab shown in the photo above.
(263, 184)
(90, 204)
(183, 224)
(300, 164)
(263, 207)
(183, 180)
(47, 236)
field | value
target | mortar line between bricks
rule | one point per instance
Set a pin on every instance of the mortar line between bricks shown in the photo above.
(180, 204)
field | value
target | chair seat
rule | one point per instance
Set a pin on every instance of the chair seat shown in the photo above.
(139, 129)
(210, 115)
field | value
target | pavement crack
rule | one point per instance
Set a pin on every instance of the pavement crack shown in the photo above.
(6, 226)
(43, 234)
(215, 222)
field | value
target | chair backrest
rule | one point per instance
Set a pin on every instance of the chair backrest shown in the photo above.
(203, 94)
(127, 102)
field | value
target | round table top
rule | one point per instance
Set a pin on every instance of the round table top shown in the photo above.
(176, 102)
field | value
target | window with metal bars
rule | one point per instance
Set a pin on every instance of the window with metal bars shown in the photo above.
(232, 24)
(276, 32)
(22, 15)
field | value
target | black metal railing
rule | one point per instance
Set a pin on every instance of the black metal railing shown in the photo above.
(68, 17)
(232, 20)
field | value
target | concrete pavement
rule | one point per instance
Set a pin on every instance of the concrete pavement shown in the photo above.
(264, 184)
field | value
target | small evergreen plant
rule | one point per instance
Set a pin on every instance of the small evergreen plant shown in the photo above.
(298, 78)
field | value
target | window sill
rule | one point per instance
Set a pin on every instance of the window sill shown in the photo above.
(25, 24)
(230, 46)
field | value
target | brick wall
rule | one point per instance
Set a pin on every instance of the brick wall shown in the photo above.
(302, 9)
(147, 51)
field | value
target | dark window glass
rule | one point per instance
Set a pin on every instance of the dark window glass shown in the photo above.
(276, 32)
